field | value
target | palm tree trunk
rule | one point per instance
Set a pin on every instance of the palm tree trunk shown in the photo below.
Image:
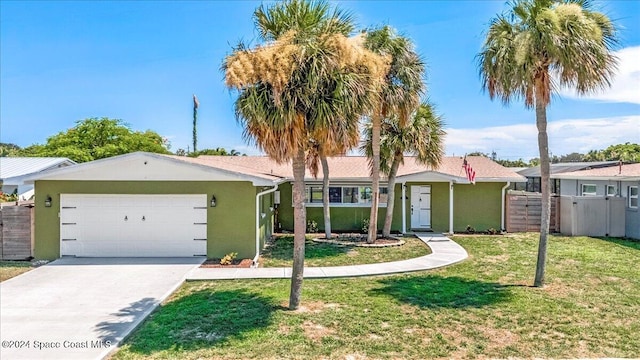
(376, 122)
(543, 145)
(325, 196)
(388, 219)
(299, 229)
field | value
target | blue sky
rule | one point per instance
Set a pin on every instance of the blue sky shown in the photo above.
(141, 61)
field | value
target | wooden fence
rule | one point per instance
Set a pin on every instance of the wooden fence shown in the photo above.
(524, 211)
(16, 232)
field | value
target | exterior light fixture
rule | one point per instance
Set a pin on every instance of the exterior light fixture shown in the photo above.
(47, 201)
(213, 201)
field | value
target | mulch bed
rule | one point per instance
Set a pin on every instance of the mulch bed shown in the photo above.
(360, 240)
(237, 263)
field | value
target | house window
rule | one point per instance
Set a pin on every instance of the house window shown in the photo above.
(588, 190)
(633, 197)
(611, 190)
(351, 195)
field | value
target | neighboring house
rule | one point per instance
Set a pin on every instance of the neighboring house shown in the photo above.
(616, 181)
(13, 171)
(143, 204)
(534, 178)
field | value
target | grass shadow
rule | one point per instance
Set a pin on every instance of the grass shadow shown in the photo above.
(202, 319)
(281, 248)
(431, 291)
(631, 243)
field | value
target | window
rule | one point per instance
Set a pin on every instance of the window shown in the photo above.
(588, 190)
(633, 197)
(611, 190)
(344, 195)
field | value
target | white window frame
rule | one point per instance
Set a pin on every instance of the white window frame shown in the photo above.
(361, 202)
(631, 197)
(609, 187)
(594, 193)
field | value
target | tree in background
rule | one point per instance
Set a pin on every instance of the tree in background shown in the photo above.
(8, 149)
(627, 152)
(398, 97)
(305, 77)
(216, 151)
(98, 138)
(422, 137)
(525, 47)
(196, 104)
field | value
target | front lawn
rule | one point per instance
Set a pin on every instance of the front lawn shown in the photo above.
(9, 269)
(483, 307)
(279, 253)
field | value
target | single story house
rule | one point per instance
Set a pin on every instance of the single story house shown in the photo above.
(143, 204)
(534, 178)
(13, 171)
(622, 180)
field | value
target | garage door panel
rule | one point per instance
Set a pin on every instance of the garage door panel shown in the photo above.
(133, 225)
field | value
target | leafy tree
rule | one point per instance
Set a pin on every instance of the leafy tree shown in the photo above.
(98, 138)
(216, 151)
(525, 47)
(399, 96)
(9, 149)
(295, 87)
(422, 137)
(627, 152)
(512, 163)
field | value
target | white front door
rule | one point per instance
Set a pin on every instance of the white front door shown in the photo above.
(420, 207)
(99, 225)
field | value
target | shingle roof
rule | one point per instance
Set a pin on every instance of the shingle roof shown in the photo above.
(623, 172)
(566, 167)
(20, 166)
(357, 167)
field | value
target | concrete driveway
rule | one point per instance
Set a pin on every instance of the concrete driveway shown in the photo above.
(81, 308)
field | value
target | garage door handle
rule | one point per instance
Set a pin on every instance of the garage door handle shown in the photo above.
(126, 218)
(143, 219)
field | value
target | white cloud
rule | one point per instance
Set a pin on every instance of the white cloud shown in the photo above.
(565, 136)
(625, 86)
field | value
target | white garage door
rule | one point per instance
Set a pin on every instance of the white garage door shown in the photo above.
(133, 225)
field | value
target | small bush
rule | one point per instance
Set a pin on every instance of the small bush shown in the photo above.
(470, 230)
(312, 226)
(228, 259)
(492, 231)
(365, 226)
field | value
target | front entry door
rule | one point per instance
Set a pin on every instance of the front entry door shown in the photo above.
(420, 207)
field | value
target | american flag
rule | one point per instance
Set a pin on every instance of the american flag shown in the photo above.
(471, 174)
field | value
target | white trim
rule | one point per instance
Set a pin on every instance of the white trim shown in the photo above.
(451, 207)
(142, 166)
(258, 195)
(502, 205)
(404, 207)
(629, 197)
(606, 190)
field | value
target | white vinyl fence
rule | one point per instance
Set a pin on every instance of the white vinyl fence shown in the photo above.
(592, 216)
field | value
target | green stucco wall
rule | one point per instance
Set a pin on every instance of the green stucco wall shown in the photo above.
(475, 205)
(230, 225)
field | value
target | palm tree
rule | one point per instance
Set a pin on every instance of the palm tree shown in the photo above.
(523, 51)
(422, 137)
(345, 136)
(399, 96)
(305, 78)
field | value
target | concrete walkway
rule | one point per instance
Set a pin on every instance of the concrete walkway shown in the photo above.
(81, 308)
(444, 251)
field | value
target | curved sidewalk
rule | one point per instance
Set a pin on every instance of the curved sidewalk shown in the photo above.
(444, 251)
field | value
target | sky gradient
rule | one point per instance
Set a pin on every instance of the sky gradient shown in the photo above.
(141, 61)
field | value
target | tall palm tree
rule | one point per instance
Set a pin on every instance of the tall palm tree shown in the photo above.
(305, 77)
(399, 96)
(422, 137)
(523, 51)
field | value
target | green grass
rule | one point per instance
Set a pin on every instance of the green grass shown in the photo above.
(483, 307)
(280, 250)
(9, 269)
